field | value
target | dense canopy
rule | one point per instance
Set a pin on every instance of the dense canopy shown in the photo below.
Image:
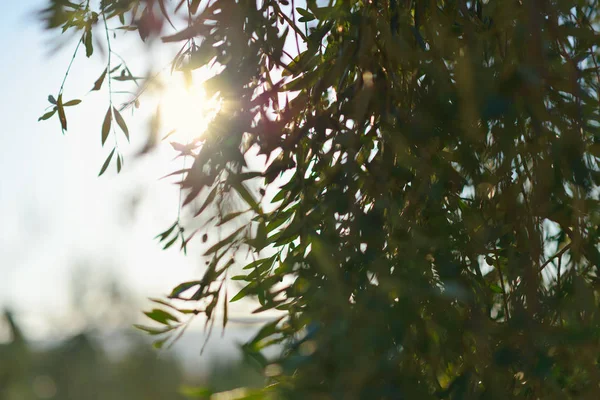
(428, 217)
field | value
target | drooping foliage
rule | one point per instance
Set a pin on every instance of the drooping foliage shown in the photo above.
(434, 233)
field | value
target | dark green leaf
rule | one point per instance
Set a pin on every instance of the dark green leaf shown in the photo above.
(100, 80)
(61, 113)
(87, 39)
(209, 199)
(161, 316)
(179, 289)
(47, 115)
(230, 216)
(106, 125)
(72, 103)
(225, 316)
(241, 189)
(155, 331)
(170, 242)
(121, 122)
(166, 233)
(224, 242)
(496, 288)
(107, 162)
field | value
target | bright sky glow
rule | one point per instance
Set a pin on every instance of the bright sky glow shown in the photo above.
(57, 213)
(185, 106)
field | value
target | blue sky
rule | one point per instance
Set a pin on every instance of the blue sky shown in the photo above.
(55, 211)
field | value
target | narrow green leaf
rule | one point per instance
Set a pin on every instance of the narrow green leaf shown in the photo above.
(121, 122)
(256, 263)
(306, 19)
(166, 233)
(118, 163)
(280, 196)
(51, 99)
(107, 162)
(72, 103)
(496, 288)
(155, 331)
(100, 80)
(161, 316)
(231, 216)
(106, 125)
(242, 293)
(115, 68)
(61, 113)
(208, 201)
(224, 242)
(87, 41)
(225, 301)
(303, 12)
(47, 115)
(179, 289)
(170, 242)
(241, 189)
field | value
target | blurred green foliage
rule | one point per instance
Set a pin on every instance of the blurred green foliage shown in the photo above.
(428, 221)
(80, 367)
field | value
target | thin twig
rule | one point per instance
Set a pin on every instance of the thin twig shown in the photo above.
(108, 75)
(559, 254)
(62, 85)
(294, 21)
(289, 21)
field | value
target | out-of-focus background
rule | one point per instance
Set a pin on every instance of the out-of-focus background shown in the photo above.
(77, 257)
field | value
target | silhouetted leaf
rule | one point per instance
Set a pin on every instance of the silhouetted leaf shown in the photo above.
(182, 288)
(72, 103)
(161, 316)
(100, 80)
(106, 125)
(87, 39)
(121, 122)
(61, 113)
(155, 331)
(47, 115)
(230, 238)
(107, 162)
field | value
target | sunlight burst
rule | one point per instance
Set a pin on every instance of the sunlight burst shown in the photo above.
(186, 108)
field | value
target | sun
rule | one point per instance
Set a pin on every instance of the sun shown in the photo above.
(185, 108)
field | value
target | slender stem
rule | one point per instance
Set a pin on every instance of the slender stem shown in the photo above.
(294, 21)
(559, 254)
(108, 75)
(558, 271)
(62, 85)
(289, 21)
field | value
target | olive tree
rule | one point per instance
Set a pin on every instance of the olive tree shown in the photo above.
(427, 219)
